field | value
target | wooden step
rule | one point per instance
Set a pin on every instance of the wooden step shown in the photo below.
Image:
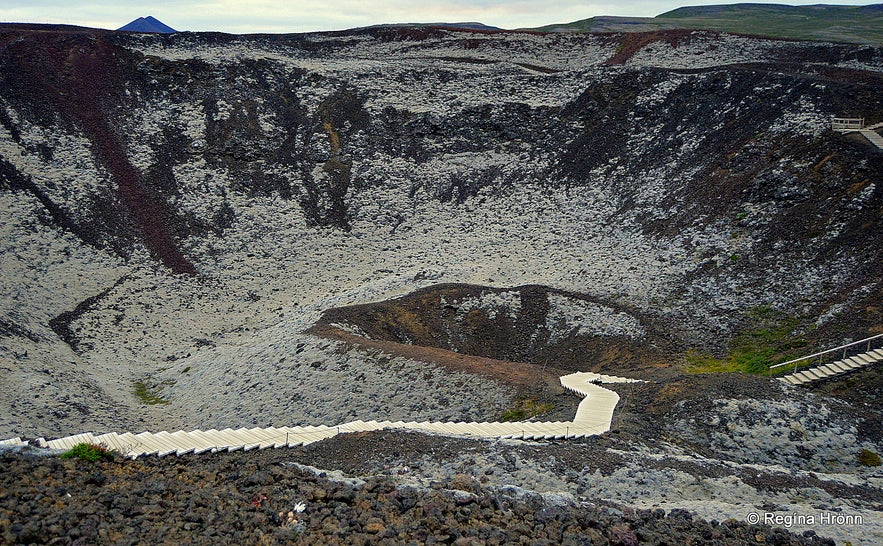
(853, 363)
(864, 359)
(830, 369)
(840, 366)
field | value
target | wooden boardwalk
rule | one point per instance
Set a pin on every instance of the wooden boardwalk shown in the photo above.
(873, 137)
(593, 416)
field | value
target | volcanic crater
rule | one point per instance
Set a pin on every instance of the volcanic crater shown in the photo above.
(203, 230)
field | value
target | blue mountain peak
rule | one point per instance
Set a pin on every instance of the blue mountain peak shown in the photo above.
(148, 24)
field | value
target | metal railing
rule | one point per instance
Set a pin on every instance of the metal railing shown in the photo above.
(820, 354)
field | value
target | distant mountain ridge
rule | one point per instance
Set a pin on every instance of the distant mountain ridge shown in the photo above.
(466, 25)
(148, 24)
(852, 24)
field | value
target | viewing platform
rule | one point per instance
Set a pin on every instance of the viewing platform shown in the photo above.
(849, 125)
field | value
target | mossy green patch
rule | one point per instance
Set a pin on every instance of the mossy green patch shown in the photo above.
(525, 409)
(699, 362)
(866, 457)
(148, 395)
(770, 336)
(88, 452)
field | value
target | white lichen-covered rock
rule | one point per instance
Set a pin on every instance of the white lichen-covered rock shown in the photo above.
(506, 304)
(569, 316)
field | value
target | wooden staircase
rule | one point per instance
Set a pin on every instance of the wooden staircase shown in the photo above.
(873, 137)
(850, 125)
(834, 369)
(593, 416)
(837, 368)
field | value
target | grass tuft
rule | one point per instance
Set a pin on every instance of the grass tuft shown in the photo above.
(88, 452)
(525, 409)
(866, 457)
(148, 395)
(699, 362)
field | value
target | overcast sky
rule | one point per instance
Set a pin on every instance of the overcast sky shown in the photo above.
(277, 16)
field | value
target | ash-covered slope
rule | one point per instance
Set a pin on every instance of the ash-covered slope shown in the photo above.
(177, 209)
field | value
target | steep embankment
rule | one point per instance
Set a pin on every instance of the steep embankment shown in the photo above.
(78, 79)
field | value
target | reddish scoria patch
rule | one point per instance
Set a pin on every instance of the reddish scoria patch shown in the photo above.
(632, 42)
(79, 72)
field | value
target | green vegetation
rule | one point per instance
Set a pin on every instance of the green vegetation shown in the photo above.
(769, 337)
(147, 394)
(525, 409)
(859, 24)
(88, 452)
(852, 24)
(699, 362)
(867, 457)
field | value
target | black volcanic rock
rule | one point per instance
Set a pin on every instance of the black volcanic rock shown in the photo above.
(453, 26)
(213, 499)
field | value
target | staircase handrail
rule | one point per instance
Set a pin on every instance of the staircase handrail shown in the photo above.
(821, 353)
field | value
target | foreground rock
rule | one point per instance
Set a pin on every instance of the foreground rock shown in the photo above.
(248, 498)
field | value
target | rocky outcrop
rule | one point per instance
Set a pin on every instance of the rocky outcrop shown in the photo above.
(243, 498)
(535, 324)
